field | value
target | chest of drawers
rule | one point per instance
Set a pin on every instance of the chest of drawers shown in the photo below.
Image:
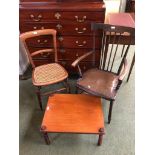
(72, 21)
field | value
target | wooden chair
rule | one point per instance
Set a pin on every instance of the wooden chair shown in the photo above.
(106, 78)
(47, 74)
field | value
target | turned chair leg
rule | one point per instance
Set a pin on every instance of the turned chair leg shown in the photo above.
(110, 111)
(39, 97)
(67, 85)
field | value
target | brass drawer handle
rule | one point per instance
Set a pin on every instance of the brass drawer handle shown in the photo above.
(57, 15)
(35, 28)
(77, 30)
(43, 42)
(60, 38)
(58, 26)
(36, 19)
(80, 20)
(80, 45)
(45, 55)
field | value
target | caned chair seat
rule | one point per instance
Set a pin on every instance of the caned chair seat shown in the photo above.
(48, 74)
(99, 82)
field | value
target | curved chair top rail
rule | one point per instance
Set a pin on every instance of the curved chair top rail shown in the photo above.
(36, 33)
(112, 28)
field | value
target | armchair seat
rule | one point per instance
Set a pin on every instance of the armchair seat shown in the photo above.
(48, 74)
(99, 82)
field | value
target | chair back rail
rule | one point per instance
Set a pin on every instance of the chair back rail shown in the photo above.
(111, 39)
(36, 33)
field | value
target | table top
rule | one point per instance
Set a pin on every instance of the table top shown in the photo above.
(121, 19)
(73, 113)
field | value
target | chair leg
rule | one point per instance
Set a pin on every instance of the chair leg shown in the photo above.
(132, 64)
(38, 92)
(76, 90)
(67, 86)
(110, 111)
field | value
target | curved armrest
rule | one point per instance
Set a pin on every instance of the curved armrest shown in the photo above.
(41, 51)
(75, 63)
(124, 71)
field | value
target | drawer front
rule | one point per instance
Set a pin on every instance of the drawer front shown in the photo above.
(83, 65)
(65, 54)
(64, 42)
(48, 15)
(63, 28)
(38, 62)
(78, 42)
(79, 17)
(73, 54)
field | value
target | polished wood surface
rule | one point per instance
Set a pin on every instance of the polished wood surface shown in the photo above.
(121, 19)
(72, 21)
(73, 113)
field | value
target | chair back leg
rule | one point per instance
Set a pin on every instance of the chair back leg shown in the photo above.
(110, 111)
(38, 92)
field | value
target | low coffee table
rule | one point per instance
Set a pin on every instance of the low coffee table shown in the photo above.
(73, 113)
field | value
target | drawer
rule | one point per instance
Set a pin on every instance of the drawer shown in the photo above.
(65, 54)
(83, 65)
(48, 15)
(64, 42)
(79, 17)
(78, 42)
(63, 28)
(73, 54)
(39, 62)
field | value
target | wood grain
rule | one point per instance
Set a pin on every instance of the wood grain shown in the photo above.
(73, 113)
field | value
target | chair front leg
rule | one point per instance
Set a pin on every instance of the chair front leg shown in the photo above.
(67, 85)
(38, 92)
(110, 111)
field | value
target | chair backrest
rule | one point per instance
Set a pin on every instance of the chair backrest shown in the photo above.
(115, 40)
(36, 33)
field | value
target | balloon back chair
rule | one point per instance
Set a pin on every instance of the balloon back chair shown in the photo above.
(105, 78)
(47, 74)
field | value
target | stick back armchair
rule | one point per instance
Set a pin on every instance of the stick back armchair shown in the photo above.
(105, 79)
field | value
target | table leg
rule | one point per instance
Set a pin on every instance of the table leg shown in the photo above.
(101, 130)
(132, 64)
(47, 140)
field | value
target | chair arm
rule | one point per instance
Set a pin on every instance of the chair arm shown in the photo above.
(124, 70)
(75, 63)
(41, 51)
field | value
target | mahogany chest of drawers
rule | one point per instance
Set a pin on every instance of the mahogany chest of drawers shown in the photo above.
(72, 20)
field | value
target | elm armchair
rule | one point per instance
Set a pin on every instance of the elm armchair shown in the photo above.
(105, 79)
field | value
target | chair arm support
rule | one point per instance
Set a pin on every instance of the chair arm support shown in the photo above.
(124, 71)
(41, 51)
(75, 63)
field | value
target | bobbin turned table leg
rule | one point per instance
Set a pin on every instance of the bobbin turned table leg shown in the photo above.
(101, 130)
(47, 140)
